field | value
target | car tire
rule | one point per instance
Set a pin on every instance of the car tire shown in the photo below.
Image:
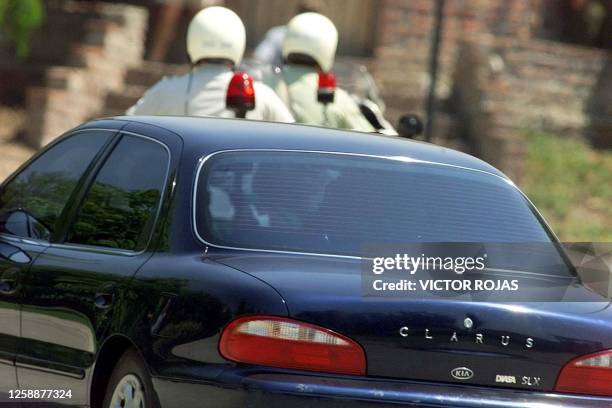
(130, 384)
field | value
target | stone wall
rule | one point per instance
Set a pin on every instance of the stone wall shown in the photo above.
(471, 101)
(504, 87)
(112, 41)
(496, 78)
(404, 40)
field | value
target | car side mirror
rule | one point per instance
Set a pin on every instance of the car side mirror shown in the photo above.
(23, 224)
(409, 126)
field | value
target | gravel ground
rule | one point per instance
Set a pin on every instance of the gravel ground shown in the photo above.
(12, 153)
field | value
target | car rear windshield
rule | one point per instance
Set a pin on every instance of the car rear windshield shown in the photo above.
(335, 203)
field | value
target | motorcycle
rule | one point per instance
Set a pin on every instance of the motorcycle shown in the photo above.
(360, 84)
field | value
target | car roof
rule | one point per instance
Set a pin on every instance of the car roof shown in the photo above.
(207, 135)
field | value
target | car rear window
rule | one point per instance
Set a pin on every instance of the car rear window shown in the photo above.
(335, 203)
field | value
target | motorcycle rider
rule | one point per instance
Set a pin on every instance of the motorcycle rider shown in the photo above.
(215, 42)
(270, 49)
(309, 49)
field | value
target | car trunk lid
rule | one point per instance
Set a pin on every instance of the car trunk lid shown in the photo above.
(521, 345)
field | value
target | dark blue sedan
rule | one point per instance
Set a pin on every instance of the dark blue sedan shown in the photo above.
(195, 262)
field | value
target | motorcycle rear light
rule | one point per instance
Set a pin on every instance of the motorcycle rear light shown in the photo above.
(327, 87)
(240, 93)
(590, 374)
(286, 343)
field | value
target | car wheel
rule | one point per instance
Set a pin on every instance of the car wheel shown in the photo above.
(130, 384)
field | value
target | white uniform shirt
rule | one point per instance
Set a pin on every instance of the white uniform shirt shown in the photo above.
(299, 90)
(202, 93)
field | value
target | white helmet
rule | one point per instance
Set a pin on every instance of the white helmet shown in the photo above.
(216, 32)
(314, 35)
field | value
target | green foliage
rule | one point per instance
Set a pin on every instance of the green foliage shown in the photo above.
(42, 194)
(571, 184)
(18, 18)
(114, 218)
(110, 216)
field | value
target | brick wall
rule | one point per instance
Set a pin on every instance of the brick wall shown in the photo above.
(496, 79)
(504, 87)
(554, 87)
(112, 41)
(472, 102)
(404, 39)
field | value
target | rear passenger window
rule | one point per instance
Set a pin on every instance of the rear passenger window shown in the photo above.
(120, 208)
(31, 203)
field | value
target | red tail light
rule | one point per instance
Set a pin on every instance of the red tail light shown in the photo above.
(240, 93)
(327, 87)
(287, 343)
(590, 374)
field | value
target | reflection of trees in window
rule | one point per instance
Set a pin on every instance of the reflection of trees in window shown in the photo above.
(116, 218)
(43, 195)
(40, 192)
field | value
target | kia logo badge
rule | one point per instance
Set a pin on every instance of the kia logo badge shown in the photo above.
(462, 373)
